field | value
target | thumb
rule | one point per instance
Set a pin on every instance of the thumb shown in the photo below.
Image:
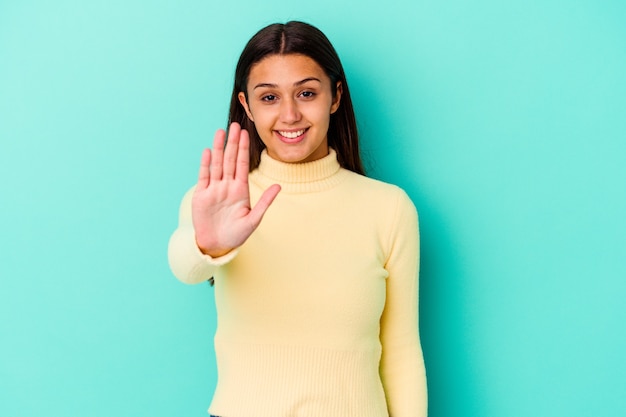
(257, 212)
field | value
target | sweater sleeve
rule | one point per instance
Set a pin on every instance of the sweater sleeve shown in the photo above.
(187, 262)
(402, 365)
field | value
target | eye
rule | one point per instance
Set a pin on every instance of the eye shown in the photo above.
(307, 94)
(268, 98)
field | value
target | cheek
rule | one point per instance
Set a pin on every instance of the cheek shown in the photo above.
(261, 116)
(263, 123)
(321, 115)
(316, 110)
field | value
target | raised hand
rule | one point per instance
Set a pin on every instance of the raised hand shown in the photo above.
(221, 212)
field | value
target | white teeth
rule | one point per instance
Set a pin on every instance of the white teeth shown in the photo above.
(291, 135)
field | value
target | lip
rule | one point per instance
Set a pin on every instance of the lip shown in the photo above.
(291, 140)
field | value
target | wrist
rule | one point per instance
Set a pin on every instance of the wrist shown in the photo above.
(214, 251)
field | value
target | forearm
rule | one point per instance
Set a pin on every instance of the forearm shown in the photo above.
(402, 364)
(404, 379)
(186, 260)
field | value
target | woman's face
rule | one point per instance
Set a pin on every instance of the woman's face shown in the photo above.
(290, 101)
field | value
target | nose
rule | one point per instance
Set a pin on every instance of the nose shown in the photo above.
(289, 112)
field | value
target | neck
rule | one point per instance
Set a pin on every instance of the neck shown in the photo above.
(299, 177)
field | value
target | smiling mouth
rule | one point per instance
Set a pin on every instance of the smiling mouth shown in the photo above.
(291, 135)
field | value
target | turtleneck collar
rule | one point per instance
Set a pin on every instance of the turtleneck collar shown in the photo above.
(299, 177)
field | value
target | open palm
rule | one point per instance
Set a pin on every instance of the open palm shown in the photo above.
(222, 216)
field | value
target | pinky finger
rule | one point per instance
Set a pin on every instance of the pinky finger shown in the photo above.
(203, 175)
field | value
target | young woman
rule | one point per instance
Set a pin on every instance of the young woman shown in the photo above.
(315, 266)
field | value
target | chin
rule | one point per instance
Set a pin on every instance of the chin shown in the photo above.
(289, 157)
(295, 156)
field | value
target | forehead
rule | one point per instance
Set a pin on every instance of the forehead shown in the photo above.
(286, 69)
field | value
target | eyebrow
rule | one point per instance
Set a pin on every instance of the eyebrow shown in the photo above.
(296, 84)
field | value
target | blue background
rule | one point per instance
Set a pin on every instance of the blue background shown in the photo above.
(504, 121)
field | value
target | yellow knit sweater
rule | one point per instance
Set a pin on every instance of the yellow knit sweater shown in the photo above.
(317, 310)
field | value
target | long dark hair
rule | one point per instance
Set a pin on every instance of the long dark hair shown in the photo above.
(299, 38)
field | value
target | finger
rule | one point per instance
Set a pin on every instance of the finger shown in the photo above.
(243, 157)
(203, 174)
(232, 146)
(217, 155)
(257, 212)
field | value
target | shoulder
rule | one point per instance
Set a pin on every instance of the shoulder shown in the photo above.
(387, 209)
(378, 192)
